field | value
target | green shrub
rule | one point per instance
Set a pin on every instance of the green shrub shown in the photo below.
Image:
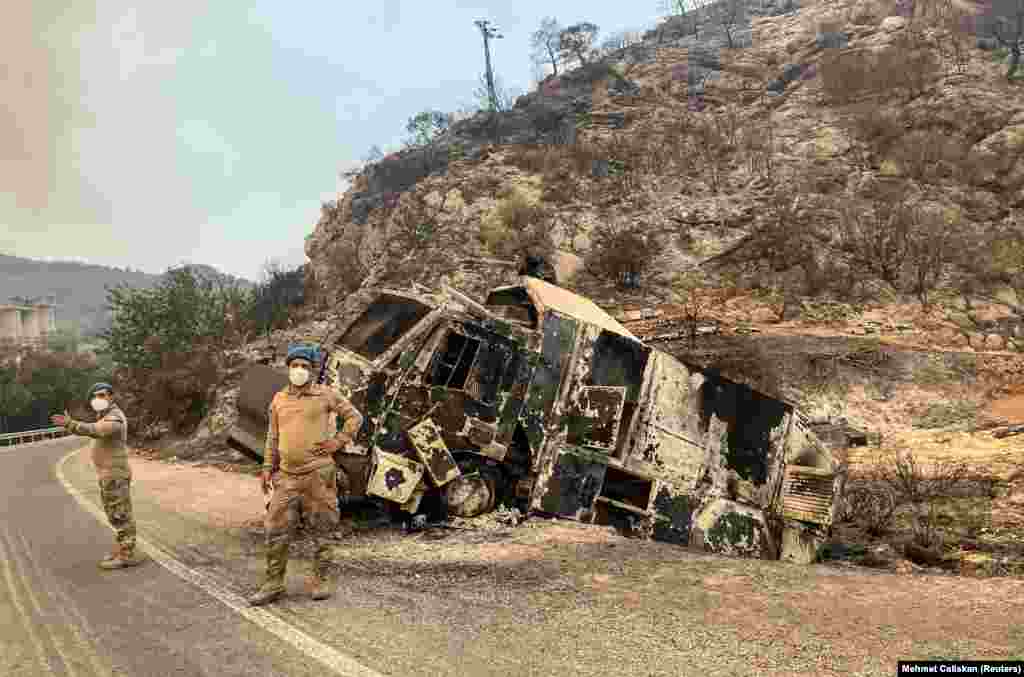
(167, 342)
(946, 414)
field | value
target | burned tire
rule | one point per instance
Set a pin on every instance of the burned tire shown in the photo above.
(477, 491)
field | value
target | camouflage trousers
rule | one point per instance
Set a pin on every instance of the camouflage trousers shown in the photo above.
(312, 497)
(115, 494)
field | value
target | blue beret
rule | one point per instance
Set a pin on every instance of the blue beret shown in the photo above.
(302, 351)
(97, 387)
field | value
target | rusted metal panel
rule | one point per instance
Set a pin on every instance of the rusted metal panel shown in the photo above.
(574, 484)
(495, 451)
(258, 387)
(377, 332)
(515, 391)
(665, 440)
(394, 477)
(486, 376)
(624, 486)
(593, 418)
(355, 470)
(777, 464)
(479, 433)
(804, 448)
(556, 352)
(426, 438)
(413, 504)
(431, 346)
(548, 297)
(808, 495)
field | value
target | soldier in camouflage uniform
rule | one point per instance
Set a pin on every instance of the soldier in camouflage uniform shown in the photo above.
(302, 439)
(110, 458)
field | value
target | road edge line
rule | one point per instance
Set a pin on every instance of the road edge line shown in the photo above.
(337, 662)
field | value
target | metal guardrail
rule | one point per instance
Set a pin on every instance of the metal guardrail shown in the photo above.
(11, 439)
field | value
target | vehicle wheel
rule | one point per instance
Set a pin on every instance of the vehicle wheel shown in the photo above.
(477, 491)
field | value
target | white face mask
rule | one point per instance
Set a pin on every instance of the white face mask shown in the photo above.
(99, 404)
(298, 376)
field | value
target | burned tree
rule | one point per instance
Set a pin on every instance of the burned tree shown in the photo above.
(621, 253)
(729, 15)
(577, 42)
(546, 44)
(1003, 20)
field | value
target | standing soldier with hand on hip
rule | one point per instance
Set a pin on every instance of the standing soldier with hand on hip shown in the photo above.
(110, 458)
(302, 439)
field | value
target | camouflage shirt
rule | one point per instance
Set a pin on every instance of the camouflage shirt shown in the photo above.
(299, 419)
(109, 443)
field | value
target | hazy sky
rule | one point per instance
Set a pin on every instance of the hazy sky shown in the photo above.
(154, 133)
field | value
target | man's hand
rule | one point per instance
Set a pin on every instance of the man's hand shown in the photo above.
(329, 446)
(61, 420)
(265, 481)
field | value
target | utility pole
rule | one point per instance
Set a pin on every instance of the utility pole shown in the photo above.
(489, 32)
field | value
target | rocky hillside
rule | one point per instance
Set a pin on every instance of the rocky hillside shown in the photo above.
(693, 143)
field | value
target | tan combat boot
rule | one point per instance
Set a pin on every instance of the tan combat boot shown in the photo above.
(120, 558)
(323, 587)
(112, 555)
(273, 586)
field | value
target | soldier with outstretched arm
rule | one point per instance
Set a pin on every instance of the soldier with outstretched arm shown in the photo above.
(302, 438)
(110, 458)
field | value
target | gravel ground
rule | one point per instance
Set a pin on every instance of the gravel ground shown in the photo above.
(545, 598)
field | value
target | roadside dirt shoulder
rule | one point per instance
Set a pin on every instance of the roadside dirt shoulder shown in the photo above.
(561, 598)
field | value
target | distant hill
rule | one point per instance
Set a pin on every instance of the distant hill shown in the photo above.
(80, 288)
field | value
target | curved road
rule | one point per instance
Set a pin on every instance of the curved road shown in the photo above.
(60, 614)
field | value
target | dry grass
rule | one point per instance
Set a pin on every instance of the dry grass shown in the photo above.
(999, 457)
(518, 227)
(947, 414)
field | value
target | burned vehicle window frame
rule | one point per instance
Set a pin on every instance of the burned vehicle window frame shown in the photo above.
(462, 366)
(612, 350)
(512, 305)
(382, 324)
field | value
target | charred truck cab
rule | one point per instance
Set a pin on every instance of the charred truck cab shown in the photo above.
(537, 397)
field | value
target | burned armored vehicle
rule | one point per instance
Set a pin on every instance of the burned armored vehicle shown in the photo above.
(538, 398)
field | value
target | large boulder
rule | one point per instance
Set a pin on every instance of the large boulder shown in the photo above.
(832, 40)
(623, 87)
(363, 204)
(893, 23)
(791, 72)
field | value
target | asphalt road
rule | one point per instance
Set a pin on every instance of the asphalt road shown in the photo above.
(60, 614)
